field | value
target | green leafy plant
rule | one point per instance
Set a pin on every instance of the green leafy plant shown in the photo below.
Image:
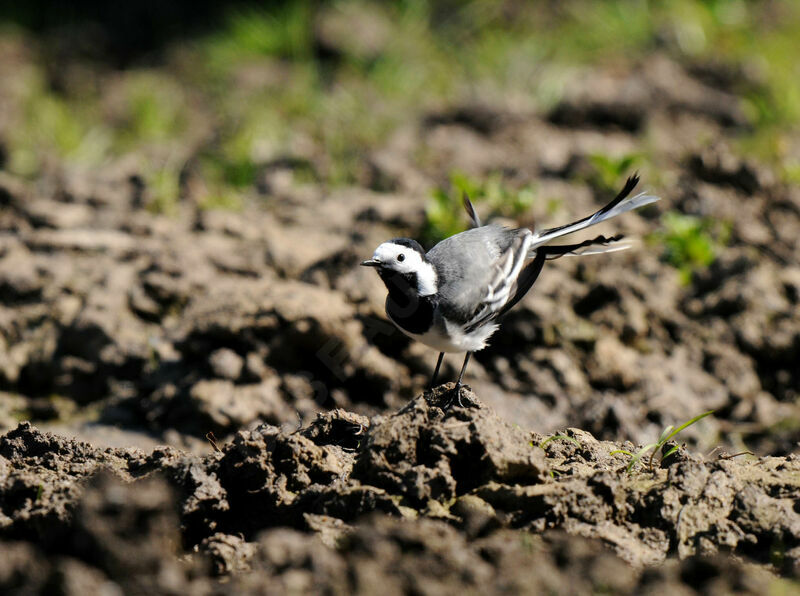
(608, 171)
(49, 127)
(666, 435)
(690, 242)
(164, 187)
(152, 109)
(284, 31)
(445, 213)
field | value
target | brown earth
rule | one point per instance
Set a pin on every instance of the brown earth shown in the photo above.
(425, 499)
(209, 320)
(125, 327)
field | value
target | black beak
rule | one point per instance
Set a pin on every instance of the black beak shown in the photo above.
(371, 263)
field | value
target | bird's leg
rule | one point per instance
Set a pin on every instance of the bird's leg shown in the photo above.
(457, 388)
(436, 370)
(463, 368)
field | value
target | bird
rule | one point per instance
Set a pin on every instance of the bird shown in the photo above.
(452, 298)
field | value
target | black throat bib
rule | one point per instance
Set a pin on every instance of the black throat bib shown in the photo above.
(405, 307)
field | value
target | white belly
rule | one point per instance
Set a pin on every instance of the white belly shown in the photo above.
(454, 339)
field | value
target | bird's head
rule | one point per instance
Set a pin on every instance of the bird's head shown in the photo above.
(404, 258)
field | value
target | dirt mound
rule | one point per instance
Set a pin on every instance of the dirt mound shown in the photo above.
(467, 494)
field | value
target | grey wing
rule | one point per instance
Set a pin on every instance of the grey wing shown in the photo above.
(480, 277)
(502, 286)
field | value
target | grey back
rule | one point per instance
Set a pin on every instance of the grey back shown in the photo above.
(465, 264)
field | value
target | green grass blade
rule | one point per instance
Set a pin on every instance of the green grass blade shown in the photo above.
(622, 451)
(670, 452)
(559, 437)
(686, 425)
(639, 455)
(662, 439)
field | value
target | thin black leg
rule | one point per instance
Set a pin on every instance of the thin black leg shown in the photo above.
(457, 388)
(436, 370)
(463, 368)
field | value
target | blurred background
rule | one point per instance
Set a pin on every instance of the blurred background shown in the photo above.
(186, 188)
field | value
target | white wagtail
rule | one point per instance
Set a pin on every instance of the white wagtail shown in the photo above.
(452, 297)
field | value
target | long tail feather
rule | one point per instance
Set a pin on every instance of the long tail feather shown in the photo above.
(598, 250)
(621, 204)
(597, 245)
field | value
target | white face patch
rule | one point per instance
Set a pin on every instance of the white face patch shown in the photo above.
(404, 259)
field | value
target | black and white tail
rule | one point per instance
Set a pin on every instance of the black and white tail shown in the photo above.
(597, 245)
(621, 204)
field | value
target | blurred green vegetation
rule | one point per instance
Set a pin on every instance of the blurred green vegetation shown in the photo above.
(282, 81)
(691, 243)
(491, 197)
(610, 171)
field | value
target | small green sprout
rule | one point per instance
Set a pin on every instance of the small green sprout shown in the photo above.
(667, 434)
(164, 186)
(224, 199)
(690, 242)
(609, 170)
(153, 109)
(544, 443)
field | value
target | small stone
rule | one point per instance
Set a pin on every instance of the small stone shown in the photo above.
(226, 364)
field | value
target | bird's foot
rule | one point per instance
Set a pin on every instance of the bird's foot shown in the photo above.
(455, 396)
(457, 390)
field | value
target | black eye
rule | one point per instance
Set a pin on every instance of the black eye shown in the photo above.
(401, 257)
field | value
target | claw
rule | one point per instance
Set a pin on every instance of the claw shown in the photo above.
(455, 395)
(457, 390)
